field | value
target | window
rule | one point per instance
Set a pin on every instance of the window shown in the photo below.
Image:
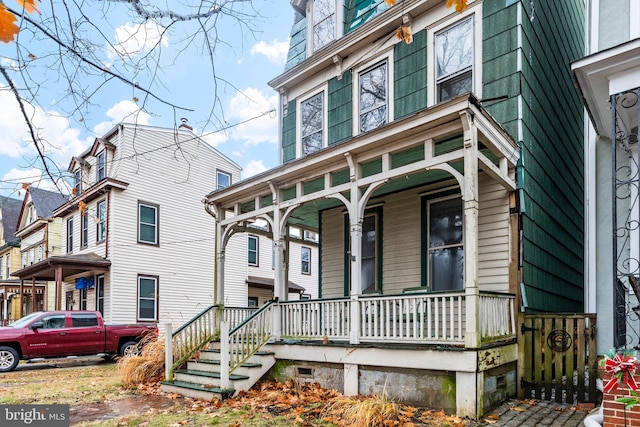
(24, 259)
(252, 302)
(1, 269)
(54, 321)
(39, 253)
(101, 171)
(83, 299)
(32, 256)
(70, 234)
(324, 22)
(454, 60)
(252, 252)
(305, 256)
(31, 214)
(373, 97)
(312, 111)
(224, 180)
(69, 300)
(84, 229)
(101, 226)
(147, 298)
(77, 181)
(445, 245)
(83, 320)
(147, 224)
(371, 260)
(100, 294)
(7, 266)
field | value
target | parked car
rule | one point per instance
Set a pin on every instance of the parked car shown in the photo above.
(52, 334)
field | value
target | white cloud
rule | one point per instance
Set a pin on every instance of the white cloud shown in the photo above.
(59, 140)
(133, 40)
(125, 110)
(248, 108)
(13, 180)
(254, 167)
(275, 51)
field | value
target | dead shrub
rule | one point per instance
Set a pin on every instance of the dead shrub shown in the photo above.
(377, 410)
(147, 367)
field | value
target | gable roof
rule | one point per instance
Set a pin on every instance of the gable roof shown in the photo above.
(46, 201)
(10, 214)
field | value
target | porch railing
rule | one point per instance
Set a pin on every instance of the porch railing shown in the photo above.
(244, 340)
(316, 319)
(497, 316)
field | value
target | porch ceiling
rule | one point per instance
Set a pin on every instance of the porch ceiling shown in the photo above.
(69, 265)
(405, 153)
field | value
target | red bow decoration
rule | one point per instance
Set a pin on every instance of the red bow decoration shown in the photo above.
(622, 369)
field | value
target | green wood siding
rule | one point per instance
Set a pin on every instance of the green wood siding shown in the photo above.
(289, 133)
(297, 42)
(548, 118)
(340, 121)
(410, 75)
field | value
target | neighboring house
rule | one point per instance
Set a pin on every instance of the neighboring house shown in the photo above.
(39, 233)
(608, 78)
(136, 242)
(249, 269)
(9, 259)
(443, 174)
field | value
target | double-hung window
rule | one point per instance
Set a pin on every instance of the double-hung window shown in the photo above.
(147, 298)
(445, 244)
(454, 60)
(252, 251)
(373, 97)
(324, 22)
(77, 181)
(84, 229)
(312, 123)
(101, 170)
(305, 257)
(1, 269)
(101, 226)
(70, 234)
(147, 223)
(223, 180)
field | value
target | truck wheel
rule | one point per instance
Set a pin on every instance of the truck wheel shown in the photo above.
(9, 359)
(130, 348)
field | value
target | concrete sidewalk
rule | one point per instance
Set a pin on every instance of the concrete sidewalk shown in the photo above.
(531, 412)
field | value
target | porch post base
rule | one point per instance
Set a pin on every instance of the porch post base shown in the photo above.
(467, 390)
(351, 379)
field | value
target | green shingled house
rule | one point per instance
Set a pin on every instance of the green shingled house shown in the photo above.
(438, 155)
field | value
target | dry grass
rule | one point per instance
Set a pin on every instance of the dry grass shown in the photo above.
(377, 410)
(149, 366)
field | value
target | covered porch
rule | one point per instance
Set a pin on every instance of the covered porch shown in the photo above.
(418, 259)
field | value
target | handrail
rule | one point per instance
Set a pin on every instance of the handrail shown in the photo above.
(244, 340)
(194, 335)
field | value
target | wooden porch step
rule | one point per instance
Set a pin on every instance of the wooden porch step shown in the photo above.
(217, 362)
(208, 374)
(196, 391)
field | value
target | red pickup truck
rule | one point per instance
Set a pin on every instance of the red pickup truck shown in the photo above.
(49, 334)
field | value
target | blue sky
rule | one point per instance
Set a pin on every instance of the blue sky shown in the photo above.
(246, 61)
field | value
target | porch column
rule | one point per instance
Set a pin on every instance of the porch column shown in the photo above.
(220, 246)
(33, 295)
(355, 257)
(59, 288)
(473, 337)
(21, 299)
(279, 285)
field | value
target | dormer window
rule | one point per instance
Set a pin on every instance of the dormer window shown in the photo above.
(31, 214)
(324, 22)
(101, 172)
(77, 181)
(454, 60)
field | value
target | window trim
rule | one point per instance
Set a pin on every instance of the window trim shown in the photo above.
(324, 90)
(363, 69)
(70, 234)
(156, 225)
(475, 12)
(302, 250)
(102, 222)
(77, 181)
(156, 297)
(338, 18)
(427, 200)
(101, 165)
(222, 172)
(99, 281)
(84, 229)
(257, 251)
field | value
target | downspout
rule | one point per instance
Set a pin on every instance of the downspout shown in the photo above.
(106, 238)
